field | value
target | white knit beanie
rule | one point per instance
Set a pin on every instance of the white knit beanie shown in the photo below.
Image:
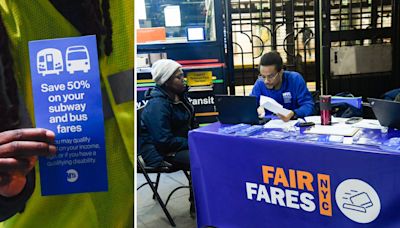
(163, 69)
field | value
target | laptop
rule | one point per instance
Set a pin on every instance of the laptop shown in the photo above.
(387, 112)
(238, 109)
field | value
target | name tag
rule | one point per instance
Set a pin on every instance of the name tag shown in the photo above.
(287, 97)
(67, 100)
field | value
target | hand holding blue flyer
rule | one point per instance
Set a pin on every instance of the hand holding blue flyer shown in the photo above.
(67, 100)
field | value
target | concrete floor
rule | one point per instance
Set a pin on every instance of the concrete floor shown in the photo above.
(149, 212)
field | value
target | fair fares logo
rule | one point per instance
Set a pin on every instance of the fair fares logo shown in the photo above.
(296, 189)
(358, 201)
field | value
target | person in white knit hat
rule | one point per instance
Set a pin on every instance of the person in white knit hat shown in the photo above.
(163, 69)
(166, 119)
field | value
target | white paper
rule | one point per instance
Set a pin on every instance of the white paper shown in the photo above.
(314, 119)
(273, 106)
(317, 119)
(140, 11)
(172, 16)
(348, 140)
(280, 124)
(332, 130)
(369, 124)
(339, 120)
(336, 138)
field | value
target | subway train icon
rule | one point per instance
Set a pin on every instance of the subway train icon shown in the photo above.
(49, 61)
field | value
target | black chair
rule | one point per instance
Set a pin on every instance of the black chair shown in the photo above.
(165, 167)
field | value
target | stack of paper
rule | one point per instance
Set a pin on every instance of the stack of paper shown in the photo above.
(279, 124)
(317, 119)
(369, 124)
(332, 130)
(314, 119)
(273, 106)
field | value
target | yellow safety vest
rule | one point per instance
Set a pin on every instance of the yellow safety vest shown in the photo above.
(36, 20)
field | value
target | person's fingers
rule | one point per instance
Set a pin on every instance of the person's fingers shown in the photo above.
(31, 163)
(32, 160)
(282, 117)
(14, 165)
(25, 165)
(25, 149)
(27, 134)
(261, 112)
(14, 187)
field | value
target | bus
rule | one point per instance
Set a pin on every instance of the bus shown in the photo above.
(77, 59)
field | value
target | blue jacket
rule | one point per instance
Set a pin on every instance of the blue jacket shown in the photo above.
(292, 95)
(164, 126)
(392, 94)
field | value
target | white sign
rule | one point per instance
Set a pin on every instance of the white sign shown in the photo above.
(358, 201)
(172, 16)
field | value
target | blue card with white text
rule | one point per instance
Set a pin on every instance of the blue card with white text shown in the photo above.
(67, 100)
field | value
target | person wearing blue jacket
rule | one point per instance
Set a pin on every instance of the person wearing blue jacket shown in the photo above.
(288, 88)
(167, 117)
(392, 95)
(166, 120)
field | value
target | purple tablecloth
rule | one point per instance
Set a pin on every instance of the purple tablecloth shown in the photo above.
(257, 182)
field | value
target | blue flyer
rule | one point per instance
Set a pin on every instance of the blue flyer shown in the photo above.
(67, 100)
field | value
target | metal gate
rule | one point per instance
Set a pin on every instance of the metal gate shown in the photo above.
(360, 41)
(255, 27)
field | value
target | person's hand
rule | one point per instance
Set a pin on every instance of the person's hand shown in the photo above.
(18, 154)
(286, 118)
(261, 112)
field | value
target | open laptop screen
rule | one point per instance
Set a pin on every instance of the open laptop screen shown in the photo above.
(237, 109)
(387, 112)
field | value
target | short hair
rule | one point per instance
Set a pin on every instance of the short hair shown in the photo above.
(272, 58)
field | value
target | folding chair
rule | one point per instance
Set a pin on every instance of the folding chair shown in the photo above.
(165, 167)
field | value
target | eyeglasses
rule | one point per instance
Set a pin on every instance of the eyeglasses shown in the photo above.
(271, 76)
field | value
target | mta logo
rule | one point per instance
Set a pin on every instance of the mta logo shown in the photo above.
(72, 175)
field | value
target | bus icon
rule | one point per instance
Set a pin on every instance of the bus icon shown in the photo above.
(77, 59)
(49, 61)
